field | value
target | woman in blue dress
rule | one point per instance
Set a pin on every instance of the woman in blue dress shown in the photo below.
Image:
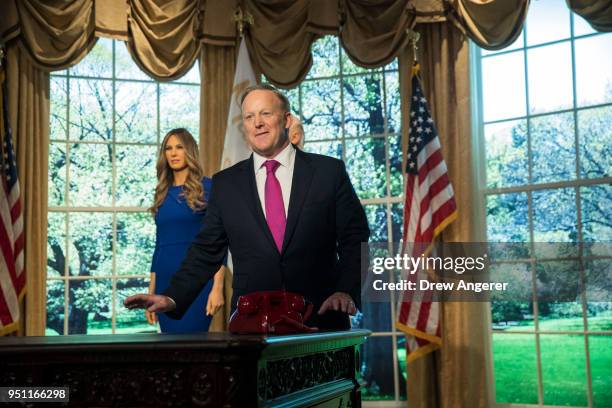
(179, 208)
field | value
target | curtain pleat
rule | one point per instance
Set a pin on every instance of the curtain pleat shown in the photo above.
(598, 13)
(162, 36)
(28, 89)
(217, 66)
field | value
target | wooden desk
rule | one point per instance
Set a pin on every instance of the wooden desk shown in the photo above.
(203, 370)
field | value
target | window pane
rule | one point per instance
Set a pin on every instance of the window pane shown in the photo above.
(506, 154)
(553, 136)
(125, 67)
(324, 57)
(90, 174)
(90, 306)
(393, 116)
(598, 284)
(294, 100)
(514, 360)
(56, 244)
(581, 27)
(135, 243)
(90, 244)
(321, 110)
(402, 369)
(563, 369)
(395, 165)
(546, 22)
(366, 166)
(55, 308)
(193, 75)
(91, 112)
(98, 63)
(375, 316)
(503, 86)
(554, 215)
(179, 106)
(349, 67)
(378, 378)
(58, 102)
(397, 221)
(57, 173)
(559, 296)
(507, 218)
(595, 142)
(136, 176)
(363, 110)
(596, 202)
(600, 350)
(594, 70)
(550, 89)
(332, 149)
(136, 105)
(131, 321)
(377, 220)
(515, 311)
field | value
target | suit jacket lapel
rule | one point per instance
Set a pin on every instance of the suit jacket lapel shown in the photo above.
(302, 178)
(252, 199)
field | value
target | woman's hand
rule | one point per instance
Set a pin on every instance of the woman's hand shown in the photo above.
(151, 316)
(216, 300)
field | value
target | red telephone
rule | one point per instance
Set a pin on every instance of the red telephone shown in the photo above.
(271, 312)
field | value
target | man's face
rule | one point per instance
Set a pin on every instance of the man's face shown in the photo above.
(264, 122)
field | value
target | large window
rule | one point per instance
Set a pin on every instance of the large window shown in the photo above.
(107, 118)
(353, 114)
(544, 122)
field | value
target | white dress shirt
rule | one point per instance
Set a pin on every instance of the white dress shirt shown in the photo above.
(284, 174)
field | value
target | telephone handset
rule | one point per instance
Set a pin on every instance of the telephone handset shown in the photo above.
(271, 312)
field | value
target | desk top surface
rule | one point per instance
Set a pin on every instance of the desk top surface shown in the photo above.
(215, 341)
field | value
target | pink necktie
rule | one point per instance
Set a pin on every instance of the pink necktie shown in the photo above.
(275, 207)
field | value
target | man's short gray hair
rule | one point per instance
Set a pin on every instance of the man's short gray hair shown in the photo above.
(267, 87)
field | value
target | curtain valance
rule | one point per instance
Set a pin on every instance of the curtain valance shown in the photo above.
(165, 36)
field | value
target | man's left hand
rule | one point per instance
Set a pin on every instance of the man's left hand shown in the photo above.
(339, 301)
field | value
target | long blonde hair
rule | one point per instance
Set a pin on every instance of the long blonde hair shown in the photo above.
(192, 189)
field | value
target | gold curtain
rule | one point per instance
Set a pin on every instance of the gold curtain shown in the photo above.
(55, 36)
(438, 379)
(165, 36)
(217, 66)
(28, 90)
(493, 24)
(373, 36)
(162, 36)
(598, 13)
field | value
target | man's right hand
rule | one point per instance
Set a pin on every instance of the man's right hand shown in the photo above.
(153, 303)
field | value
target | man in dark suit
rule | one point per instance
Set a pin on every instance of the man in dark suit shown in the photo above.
(291, 220)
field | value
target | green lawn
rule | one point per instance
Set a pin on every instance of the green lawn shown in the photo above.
(563, 364)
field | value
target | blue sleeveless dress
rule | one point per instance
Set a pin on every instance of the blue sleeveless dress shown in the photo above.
(177, 226)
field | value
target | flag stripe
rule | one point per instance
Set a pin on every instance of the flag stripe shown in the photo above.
(436, 202)
(11, 302)
(7, 255)
(5, 317)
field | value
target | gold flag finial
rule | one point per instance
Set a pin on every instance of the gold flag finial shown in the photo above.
(241, 18)
(414, 38)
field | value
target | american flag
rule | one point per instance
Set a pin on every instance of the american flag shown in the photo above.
(12, 273)
(429, 207)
